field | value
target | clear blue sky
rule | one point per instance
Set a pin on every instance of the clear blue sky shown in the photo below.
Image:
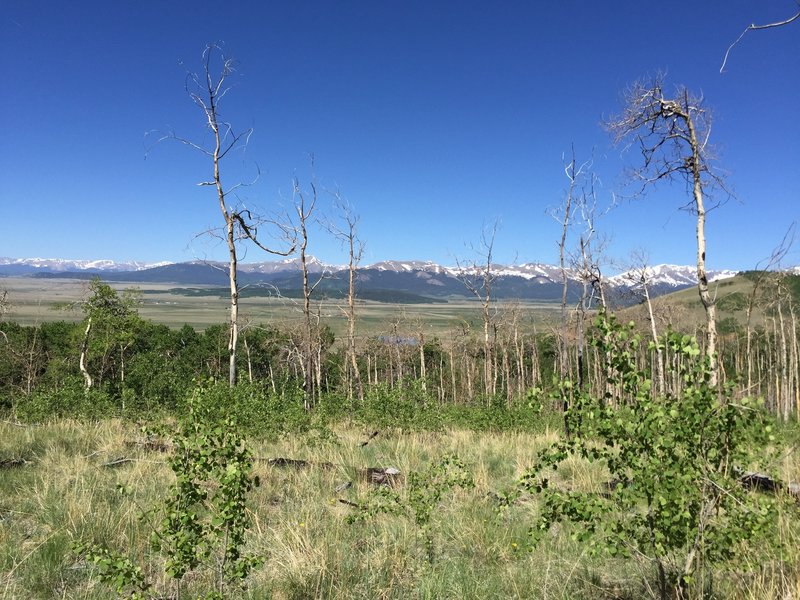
(431, 118)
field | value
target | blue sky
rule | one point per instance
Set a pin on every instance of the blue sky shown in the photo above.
(431, 118)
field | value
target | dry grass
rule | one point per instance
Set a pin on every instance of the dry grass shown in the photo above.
(65, 494)
(37, 300)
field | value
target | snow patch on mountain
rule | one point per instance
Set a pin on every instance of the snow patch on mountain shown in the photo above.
(674, 276)
(59, 265)
(669, 275)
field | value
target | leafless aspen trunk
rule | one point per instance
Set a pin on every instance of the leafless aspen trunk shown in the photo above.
(347, 233)
(84, 351)
(423, 375)
(673, 136)
(5, 305)
(207, 90)
(640, 277)
(571, 171)
(587, 263)
(478, 276)
(310, 347)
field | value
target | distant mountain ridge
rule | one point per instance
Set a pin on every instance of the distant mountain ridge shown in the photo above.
(407, 279)
(60, 265)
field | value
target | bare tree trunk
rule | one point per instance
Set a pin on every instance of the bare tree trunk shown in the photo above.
(562, 332)
(794, 366)
(84, 351)
(355, 250)
(478, 277)
(272, 379)
(234, 287)
(654, 333)
(453, 374)
(709, 303)
(673, 135)
(307, 347)
(784, 391)
(468, 369)
(206, 91)
(31, 373)
(351, 323)
(423, 375)
(441, 390)
(249, 362)
(487, 350)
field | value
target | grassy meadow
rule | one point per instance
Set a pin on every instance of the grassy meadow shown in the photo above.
(41, 300)
(319, 525)
(58, 486)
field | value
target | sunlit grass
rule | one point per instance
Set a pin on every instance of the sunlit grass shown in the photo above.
(65, 493)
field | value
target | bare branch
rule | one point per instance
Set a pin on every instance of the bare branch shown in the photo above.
(754, 27)
(249, 225)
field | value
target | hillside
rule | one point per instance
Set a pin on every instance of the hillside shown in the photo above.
(733, 297)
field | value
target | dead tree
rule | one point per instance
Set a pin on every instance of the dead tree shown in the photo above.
(762, 271)
(305, 204)
(572, 171)
(579, 203)
(206, 90)
(5, 306)
(348, 236)
(640, 277)
(672, 134)
(586, 263)
(478, 276)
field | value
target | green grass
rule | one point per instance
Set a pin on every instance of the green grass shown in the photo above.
(64, 493)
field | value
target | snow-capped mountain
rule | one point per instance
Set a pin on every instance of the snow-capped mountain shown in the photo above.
(290, 264)
(412, 279)
(665, 275)
(60, 265)
(531, 271)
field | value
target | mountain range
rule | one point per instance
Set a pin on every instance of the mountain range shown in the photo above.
(395, 281)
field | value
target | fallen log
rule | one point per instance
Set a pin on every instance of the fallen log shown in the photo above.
(119, 461)
(288, 462)
(295, 463)
(762, 482)
(11, 463)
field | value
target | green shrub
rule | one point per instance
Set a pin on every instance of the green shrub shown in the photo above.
(205, 516)
(425, 491)
(673, 495)
(71, 400)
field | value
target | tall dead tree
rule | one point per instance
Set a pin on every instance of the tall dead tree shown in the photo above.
(305, 204)
(578, 208)
(347, 233)
(672, 133)
(5, 306)
(207, 90)
(761, 274)
(572, 171)
(586, 262)
(478, 276)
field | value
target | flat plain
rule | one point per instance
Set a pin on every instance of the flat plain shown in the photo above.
(35, 300)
